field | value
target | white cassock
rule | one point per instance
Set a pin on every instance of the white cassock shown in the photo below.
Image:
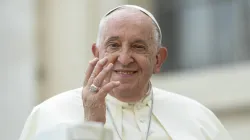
(174, 117)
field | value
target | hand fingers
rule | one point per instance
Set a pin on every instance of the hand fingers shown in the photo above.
(89, 70)
(98, 68)
(111, 59)
(107, 78)
(107, 88)
(102, 75)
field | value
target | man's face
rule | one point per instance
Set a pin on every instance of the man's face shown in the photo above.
(127, 39)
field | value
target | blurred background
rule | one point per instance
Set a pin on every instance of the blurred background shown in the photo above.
(45, 46)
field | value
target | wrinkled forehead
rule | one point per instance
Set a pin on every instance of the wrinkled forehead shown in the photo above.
(134, 8)
(131, 26)
(128, 16)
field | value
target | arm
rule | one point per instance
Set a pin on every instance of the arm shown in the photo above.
(213, 128)
(66, 131)
(62, 131)
(30, 126)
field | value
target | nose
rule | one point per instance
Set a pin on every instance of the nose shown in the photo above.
(125, 57)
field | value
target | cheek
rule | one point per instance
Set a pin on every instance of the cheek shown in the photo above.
(112, 57)
(146, 63)
(150, 58)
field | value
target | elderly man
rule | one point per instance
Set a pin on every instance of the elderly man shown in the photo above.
(117, 91)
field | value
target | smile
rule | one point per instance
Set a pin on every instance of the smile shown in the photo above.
(125, 72)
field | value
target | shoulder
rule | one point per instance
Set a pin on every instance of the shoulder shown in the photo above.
(64, 105)
(203, 118)
(183, 105)
(71, 97)
(181, 102)
(65, 102)
(175, 98)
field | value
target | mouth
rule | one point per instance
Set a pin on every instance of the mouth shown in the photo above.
(125, 72)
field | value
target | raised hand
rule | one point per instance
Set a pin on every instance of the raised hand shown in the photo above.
(96, 88)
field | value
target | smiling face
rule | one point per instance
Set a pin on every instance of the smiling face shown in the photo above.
(127, 38)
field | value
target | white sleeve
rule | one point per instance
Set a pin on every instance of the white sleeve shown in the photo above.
(65, 131)
(223, 133)
(62, 131)
(213, 128)
(30, 126)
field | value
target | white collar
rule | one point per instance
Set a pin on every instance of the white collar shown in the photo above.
(143, 102)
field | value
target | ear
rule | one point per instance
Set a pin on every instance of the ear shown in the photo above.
(95, 50)
(161, 56)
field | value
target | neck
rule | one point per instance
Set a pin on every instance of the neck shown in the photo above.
(135, 96)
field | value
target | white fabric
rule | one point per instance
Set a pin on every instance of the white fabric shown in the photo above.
(66, 131)
(182, 118)
(135, 118)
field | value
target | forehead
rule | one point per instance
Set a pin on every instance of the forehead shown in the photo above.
(128, 24)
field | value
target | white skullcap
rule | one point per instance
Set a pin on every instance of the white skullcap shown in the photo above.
(142, 10)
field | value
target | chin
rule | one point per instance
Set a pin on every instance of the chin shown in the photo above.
(123, 88)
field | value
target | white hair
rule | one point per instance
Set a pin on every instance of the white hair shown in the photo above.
(157, 29)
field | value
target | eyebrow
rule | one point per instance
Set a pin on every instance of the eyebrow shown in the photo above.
(140, 41)
(112, 38)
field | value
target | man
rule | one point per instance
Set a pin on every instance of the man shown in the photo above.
(117, 91)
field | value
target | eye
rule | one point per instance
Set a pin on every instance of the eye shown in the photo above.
(139, 47)
(114, 45)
